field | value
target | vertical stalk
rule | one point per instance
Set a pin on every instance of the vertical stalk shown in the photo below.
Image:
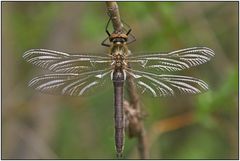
(138, 128)
(113, 12)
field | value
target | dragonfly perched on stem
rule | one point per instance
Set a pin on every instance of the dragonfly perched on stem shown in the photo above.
(77, 74)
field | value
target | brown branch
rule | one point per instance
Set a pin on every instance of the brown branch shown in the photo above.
(136, 129)
(113, 12)
(135, 126)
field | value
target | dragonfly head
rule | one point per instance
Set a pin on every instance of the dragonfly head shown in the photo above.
(118, 38)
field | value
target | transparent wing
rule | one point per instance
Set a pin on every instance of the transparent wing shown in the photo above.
(64, 62)
(167, 85)
(172, 61)
(71, 84)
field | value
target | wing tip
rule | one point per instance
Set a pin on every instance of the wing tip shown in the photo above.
(208, 50)
(27, 53)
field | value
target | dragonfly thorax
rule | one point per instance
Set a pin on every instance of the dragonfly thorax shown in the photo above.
(119, 54)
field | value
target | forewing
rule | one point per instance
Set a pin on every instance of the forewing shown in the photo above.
(172, 61)
(167, 85)
(65, 63)
(71, 84)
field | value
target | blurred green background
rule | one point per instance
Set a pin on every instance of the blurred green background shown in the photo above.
(39, 126)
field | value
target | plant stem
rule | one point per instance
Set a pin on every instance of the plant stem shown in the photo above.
(136, 128)
(113, 12)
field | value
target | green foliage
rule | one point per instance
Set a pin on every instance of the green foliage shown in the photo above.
(215, 101)
(197, 142)
(90, 25)
(30, 27)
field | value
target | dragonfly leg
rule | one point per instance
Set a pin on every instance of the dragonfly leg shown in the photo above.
(106, 28)
(128, 32)
(104, 43)
(133, 39)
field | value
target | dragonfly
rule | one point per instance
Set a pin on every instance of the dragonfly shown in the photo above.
(78, 74)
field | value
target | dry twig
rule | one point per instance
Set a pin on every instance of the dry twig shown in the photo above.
(132, 110)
